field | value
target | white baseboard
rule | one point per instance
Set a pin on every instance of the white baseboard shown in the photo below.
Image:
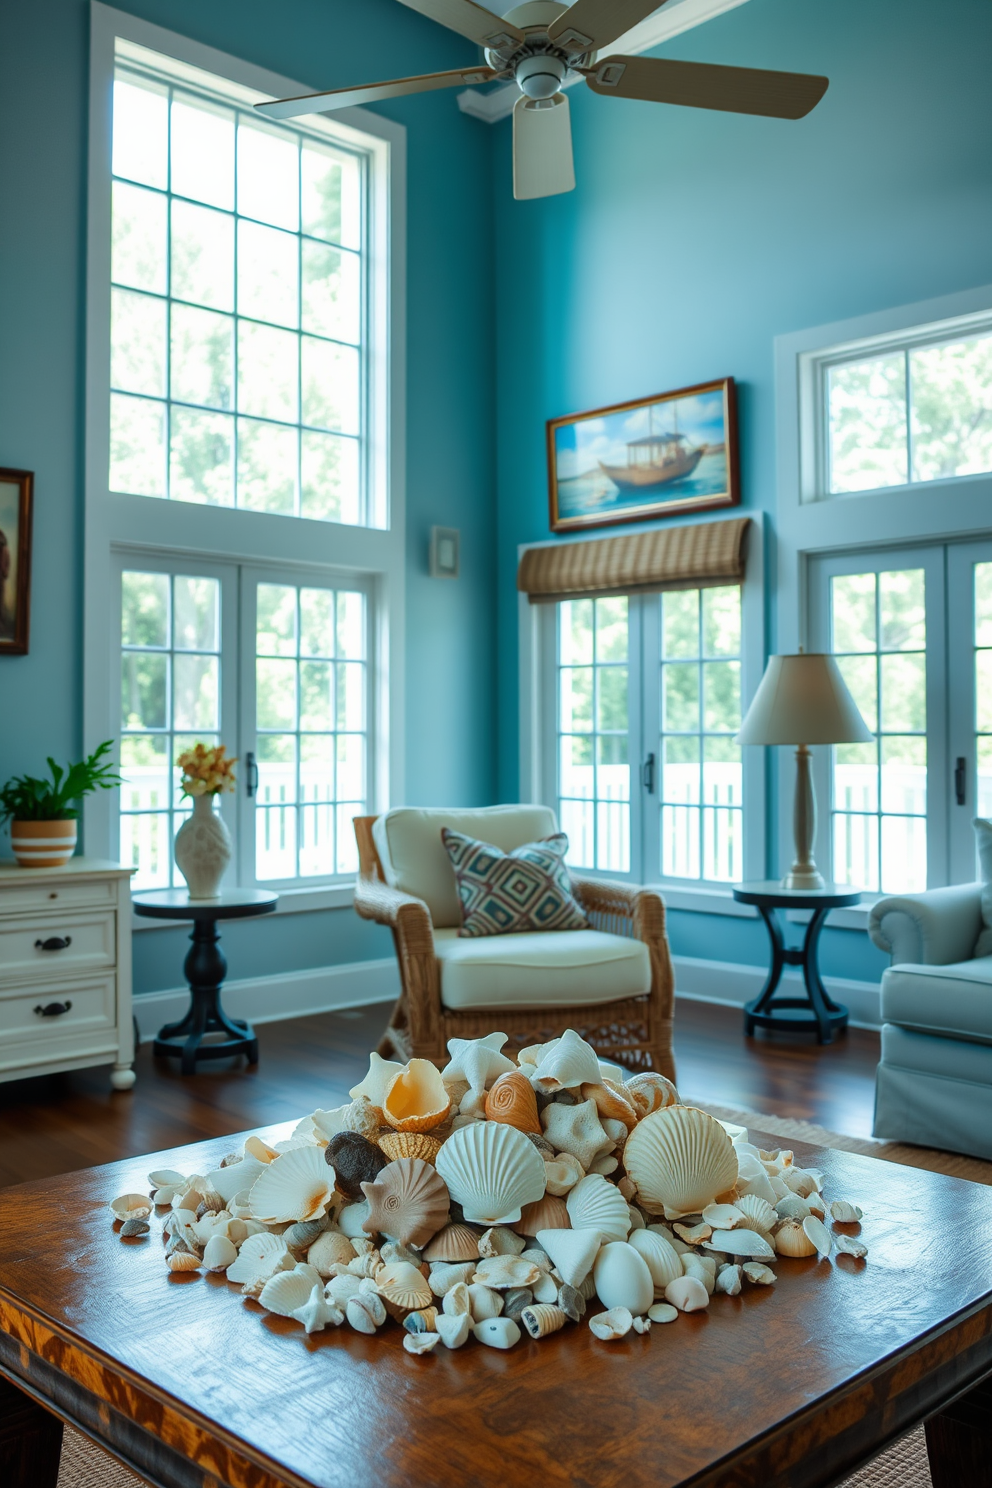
(734, 984)
(323, 989)
(326, 989)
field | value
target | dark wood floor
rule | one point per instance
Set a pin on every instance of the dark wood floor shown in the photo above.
(54, 1124)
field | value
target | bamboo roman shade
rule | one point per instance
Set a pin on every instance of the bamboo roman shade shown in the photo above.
(700, 556)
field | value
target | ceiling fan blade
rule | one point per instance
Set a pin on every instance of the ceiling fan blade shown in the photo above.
(736, 90)
(542, 148)
(589, 24)
(470, 20)
(337, 98)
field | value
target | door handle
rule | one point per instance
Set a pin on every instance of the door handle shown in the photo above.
(647, 775)
(53, 943)
(251, 775)
(960, 794)
(52, 1009)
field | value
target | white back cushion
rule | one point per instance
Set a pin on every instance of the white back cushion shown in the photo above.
(414, 857)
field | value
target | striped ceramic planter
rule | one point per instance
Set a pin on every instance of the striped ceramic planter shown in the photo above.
(43, 844)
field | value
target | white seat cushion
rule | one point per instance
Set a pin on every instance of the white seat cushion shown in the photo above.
(563, 968)
(414, 859)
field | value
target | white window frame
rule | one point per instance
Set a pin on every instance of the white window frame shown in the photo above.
(538, 734)
(921, 512)
(116, 524)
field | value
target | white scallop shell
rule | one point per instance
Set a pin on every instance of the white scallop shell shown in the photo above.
(260, 1257)
(594, 1204)
(285, 1292)
(681, 1160)
(491, 1170)
(663, 1260)
(297, 1185)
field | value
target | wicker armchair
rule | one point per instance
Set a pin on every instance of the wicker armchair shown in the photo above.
(635, 1031)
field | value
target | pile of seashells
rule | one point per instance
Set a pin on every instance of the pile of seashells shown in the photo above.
(493, 1197)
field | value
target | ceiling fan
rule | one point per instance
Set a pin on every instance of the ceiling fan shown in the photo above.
(537, 44)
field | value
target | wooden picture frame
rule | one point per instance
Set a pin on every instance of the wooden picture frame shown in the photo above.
(649, 458)
(16, 489)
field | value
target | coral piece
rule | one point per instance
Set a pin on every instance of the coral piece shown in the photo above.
(476, 1061)
(576, 1129)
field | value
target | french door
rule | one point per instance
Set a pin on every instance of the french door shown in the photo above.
(912, 632)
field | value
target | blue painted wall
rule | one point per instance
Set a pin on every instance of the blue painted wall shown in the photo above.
(449, 637)
(694, 238)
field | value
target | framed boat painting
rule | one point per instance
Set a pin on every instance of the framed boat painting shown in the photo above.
(653, 457)
(15, 560)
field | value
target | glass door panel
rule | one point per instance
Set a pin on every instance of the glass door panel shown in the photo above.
(969, 581)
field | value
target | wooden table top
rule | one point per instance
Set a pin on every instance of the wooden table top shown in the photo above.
(793, 1385)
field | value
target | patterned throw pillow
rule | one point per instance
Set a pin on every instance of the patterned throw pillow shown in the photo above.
(526, 889)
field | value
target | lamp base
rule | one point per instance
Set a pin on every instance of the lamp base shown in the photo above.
(805, 878)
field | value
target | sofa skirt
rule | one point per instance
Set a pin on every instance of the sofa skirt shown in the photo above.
(936, 1092)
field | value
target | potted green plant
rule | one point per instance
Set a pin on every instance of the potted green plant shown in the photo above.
(42, 813)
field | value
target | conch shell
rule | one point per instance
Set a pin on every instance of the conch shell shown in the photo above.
(512, 1100)
(566, 1063)
(408, 1201)
(415, 1099)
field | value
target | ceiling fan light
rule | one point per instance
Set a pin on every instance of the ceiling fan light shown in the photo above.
(540, 76)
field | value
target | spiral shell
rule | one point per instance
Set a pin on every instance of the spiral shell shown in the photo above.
(409, 1144)
(542, 1318)
(512, 1100)
(492, 1170)
(681, 1160)
(408, 1202)
(651, 1091)
(415, 1099)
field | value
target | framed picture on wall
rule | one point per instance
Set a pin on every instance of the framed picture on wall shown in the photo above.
(653, 457)
(15, 560)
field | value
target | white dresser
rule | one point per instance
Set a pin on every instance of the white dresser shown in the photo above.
(65, 969)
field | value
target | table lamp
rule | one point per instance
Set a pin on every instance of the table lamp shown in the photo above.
(803, 700)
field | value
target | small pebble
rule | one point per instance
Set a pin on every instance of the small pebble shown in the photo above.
(133, 1227)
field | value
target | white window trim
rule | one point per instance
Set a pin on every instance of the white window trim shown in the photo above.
(536, 659)
(895, 516)
(114, 521)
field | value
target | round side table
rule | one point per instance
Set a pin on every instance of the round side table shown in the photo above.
(823, 1016)
(205, 968)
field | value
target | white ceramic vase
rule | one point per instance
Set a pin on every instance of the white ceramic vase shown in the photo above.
(203, 849)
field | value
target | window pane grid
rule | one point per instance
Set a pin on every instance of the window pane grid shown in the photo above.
(920, 413)
(285, 434)
(170, 699)
(311, 722)
(700, 780)
(879, 790)
(593, 764)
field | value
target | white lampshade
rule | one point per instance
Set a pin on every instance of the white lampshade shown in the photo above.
(803, 700)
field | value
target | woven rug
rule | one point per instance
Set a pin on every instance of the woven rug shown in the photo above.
(903, 1465)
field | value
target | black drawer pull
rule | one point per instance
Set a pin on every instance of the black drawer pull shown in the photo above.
(52, 1009)
(53, 943)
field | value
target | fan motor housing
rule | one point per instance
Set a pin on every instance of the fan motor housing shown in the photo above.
(540, 76)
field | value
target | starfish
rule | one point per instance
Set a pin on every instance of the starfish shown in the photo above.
(576, 1129)
(381, 1071)
(316, 1313)
(478, 1061)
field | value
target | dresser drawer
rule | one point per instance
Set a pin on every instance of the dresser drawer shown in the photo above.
(76, 943)
(90, 1007)
(36, 896)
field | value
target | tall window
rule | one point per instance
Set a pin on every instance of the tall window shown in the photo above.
(594, 767)
(170, 698)
(880, 789)
(310, 707)
(238, 328)
(700, 785)
(920, 412)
